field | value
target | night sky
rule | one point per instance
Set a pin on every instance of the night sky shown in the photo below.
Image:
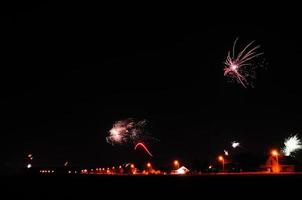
(69, 71)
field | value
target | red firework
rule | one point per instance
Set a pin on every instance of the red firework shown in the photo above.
(144, 147)
(236, 65)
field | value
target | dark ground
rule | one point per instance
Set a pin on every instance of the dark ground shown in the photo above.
(151, 187)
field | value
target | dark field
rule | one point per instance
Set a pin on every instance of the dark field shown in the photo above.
(154, 187)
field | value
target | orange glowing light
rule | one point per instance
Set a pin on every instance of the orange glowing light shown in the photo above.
(274, 152)
(132, 166)
(220, 158)
(148, 165)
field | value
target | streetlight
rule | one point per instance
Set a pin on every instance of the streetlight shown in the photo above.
(176, 164)
(276, 154)
(221, 159)
(132, 169)
(149, 165)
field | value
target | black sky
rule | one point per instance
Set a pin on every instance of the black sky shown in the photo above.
(69, 70)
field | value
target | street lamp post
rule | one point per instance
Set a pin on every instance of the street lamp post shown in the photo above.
(276, 154)
(176, 164)
(221, 159)
(149, 165)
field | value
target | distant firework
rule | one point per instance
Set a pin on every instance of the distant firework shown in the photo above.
(144, 147)
(291, 145)
(226, 153)
(239, 66)
(127, 131)
(235, 144)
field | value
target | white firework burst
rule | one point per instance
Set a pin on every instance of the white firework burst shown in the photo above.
(291, 145)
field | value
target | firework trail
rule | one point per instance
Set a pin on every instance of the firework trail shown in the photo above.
(238, 66)
(144, 147)
(226, 153)
(291, 145)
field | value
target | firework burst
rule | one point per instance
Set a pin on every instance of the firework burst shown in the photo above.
(127, 131)
(130, 132)
(239, 66)
(291, 145)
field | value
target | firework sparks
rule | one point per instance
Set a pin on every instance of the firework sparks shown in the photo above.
(131, 132)
(235, 144)
(144, 147)
(226, 152)
(127, 131)
(291, 145)
(236, 64)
